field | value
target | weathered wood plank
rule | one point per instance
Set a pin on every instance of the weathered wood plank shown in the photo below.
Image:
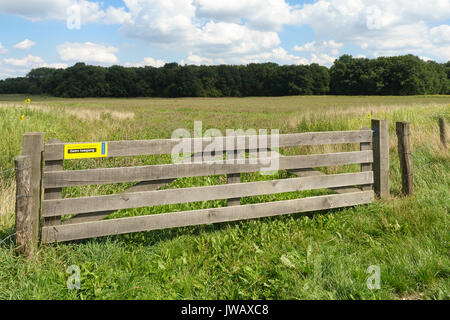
(234, 178)
(33, 146)
(140, 187)
(56, 193)
(381, 157)
(310, 172)
(363, 146)
(205, 216)
(182, 195)
(165, 146)
(25, 244)
(170, 171)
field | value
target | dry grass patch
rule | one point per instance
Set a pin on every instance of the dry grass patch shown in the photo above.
(85, 114)
(7, 204)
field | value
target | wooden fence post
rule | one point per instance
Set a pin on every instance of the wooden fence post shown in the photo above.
(380, 143)
(404, 153)
(33, 146)
(24, 242)
(443, 132)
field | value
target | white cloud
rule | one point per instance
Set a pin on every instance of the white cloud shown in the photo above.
(382, 27)
(90, 11)
(25, 44)
(321, 52)
(168, 21)
(197, 60)
(8, 72)
(87, 52)
(211, 31)
(148, 61)
(116, 16)
(14, 67)
(426, 58)
(259, 14)
(20, 67)
(440, 34)
(27, 61)
(322, 59)
(331, 47)
(3, 50)
(57, 65)
(173, 24)
(232, 38)
(279, 55)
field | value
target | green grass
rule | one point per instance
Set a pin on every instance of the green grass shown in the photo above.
(322, 255)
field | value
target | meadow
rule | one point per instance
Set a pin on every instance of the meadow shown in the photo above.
(324, 255)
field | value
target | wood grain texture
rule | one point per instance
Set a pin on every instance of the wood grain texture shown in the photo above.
(96, 216)
(53, 193)
(234, 178)
(380, 145)
(58, 179)
(443, 132)
(165, 146)
(405, 157)
(25, 244)
(182, 195)
(33, 146)
(206, 216)
(363, 146)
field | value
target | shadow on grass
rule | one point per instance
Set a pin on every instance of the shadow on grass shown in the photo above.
(7, 237)
(153, 237)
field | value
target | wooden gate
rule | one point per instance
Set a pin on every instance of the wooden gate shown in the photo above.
(88, 212)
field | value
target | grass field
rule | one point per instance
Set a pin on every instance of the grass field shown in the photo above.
(319, 256)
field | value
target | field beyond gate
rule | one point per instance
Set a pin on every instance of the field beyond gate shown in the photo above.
(89, 211)
(313, 256)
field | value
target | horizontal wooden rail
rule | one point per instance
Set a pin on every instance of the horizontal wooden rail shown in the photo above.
(85, 230)
(60, 207)
(56, 179)
(55, 151)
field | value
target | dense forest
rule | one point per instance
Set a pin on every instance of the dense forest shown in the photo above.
(402, 75)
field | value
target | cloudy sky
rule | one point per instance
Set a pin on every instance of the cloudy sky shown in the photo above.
(58, 33)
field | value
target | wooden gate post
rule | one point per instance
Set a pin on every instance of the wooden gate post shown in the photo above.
(443, 133)
(24, 242)
(404, 153)
(33, 146)
(380, 143)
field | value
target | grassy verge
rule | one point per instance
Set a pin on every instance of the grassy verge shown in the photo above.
(324, 255)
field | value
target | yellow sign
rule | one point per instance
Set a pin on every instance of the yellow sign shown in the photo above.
(86, 150)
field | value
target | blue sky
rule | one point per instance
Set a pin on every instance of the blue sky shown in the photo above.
(58, 33)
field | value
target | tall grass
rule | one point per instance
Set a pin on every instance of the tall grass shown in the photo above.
(323, 255)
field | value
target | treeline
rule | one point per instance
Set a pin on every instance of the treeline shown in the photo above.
(403, 75)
